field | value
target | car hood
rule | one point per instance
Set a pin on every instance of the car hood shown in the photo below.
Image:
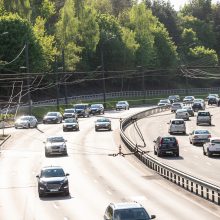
(21, 121)
(53, 179)
(95, 108)
(102, 123)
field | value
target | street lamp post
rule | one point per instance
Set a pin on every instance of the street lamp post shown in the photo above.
(103, 68)
(65, 87)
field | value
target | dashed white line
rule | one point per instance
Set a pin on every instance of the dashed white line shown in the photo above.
(109, 192)
(208, 163)
(196, 156)
(55, 206)
(65, 218)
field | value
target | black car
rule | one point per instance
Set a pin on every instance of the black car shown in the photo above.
(174, 98)
(97, 109)
(82, 110)
(52, 180)
(212, 101)
(166, 145)
(197, 106)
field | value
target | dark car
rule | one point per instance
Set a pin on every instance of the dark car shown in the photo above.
(97, 109)
(103, 123)
(52, 180)
(213, 100)
(166, 145)
(174, 98)
(52, 117)
(189, 110)
(82, 110)
(197, 106)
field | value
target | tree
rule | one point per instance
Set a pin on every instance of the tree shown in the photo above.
(118, 6)
(201, 9)
(20, 31)
(101, 6)
(202, 56)
(46, 41)
(67, 33)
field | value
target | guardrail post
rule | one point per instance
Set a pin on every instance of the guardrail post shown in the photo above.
(196, 189)
(218, 198)
(213, 196)
(183, 182)
(207, 193)
(191, 187)
(202, 194)
(187, 184)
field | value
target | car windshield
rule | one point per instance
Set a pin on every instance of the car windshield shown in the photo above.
(187, 108)
(55, 139)
(25, 118)
(48, 173)
(103, 120)
(69, 111)
(188, 97)
(163, 101)
(202, 132)
(95, 106)
(167, 140)
(172, 97)
(52, 114)
(203, 114)
(176, 104)
(131, 214)
(79, 106)
(70, 120)
(123, 103)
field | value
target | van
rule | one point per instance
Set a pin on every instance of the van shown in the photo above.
(177, 126)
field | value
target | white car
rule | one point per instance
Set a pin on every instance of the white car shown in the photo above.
(176, 105)
(122, 105)
(177, 126)
(26, 122)
(182, 113)
(55, 145)
(212, 146)
(164, 102)
(204, 117)
(70, 124)
(189, 99)
(199, 136)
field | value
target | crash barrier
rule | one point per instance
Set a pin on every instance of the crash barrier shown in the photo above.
(190, 183)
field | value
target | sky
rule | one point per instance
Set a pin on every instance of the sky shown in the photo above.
(178, 3)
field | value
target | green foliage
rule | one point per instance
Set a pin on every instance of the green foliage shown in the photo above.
(101, 6)
(46, 41)
(200, 54)
(19, 31)
(47, 9)
(67, 33)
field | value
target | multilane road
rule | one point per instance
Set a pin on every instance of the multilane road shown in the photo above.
(96, 179)
(191, 160)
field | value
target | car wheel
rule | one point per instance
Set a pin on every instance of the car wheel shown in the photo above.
(96, 129)
(110, 129)
(16, 127)
(209, 153)
(177, 154)
(67, 193)
(28, 126)
(46, 154)
(155, 153)
(210, 123)
(41, 195)
(204, 151)
(158, 154)
(65, 153)
(64, 130)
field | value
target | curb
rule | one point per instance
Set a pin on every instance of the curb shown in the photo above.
(5, 140)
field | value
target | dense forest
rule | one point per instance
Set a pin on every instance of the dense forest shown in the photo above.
(111, 35)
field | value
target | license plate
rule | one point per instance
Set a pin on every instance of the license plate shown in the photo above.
(54, 190)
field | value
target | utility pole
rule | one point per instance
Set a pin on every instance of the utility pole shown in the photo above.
(103, 76)
(57, 84)
(64, 69)
(28, 78)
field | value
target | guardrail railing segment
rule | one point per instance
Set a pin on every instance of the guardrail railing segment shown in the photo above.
(190, 183)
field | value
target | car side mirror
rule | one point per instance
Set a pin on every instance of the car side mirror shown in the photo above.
(38, 176)
(67, 174)
(152, 216)
(168, 123)
(154, 141)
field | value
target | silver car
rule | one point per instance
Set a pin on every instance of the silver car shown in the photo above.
(212, 146)
(176, 105)
(103, 123)
(122, 105)
(182, 113)
(26, 122)
(70, 124)
(177, 126)
(199, 136)
(55, 145)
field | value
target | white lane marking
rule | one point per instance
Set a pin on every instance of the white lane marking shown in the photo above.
(109, 192)
(65, 218)
(208, 163)
(95, 181)
(55, 206)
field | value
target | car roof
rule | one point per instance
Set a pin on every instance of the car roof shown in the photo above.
(181, 110)
(126, 205)
(177, 119)
(51, 167)
(57, 136)
(69, 109)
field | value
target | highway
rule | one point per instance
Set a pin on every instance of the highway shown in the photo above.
(96, 179)
(191, 160)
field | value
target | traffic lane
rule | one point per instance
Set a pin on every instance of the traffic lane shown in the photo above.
(191, 158)
(25, 152)
(125, 179)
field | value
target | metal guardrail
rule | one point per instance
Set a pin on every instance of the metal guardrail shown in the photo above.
(125, 94)
(190, 183)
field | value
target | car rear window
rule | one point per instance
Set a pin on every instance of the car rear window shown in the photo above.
(202, 132)
(215, 141)
(203, 114)
(179, 122)
(167, 140)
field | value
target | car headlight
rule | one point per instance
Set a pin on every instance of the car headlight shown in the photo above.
(64, 125)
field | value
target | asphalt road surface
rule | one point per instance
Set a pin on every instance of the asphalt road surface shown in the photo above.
(96, 179)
